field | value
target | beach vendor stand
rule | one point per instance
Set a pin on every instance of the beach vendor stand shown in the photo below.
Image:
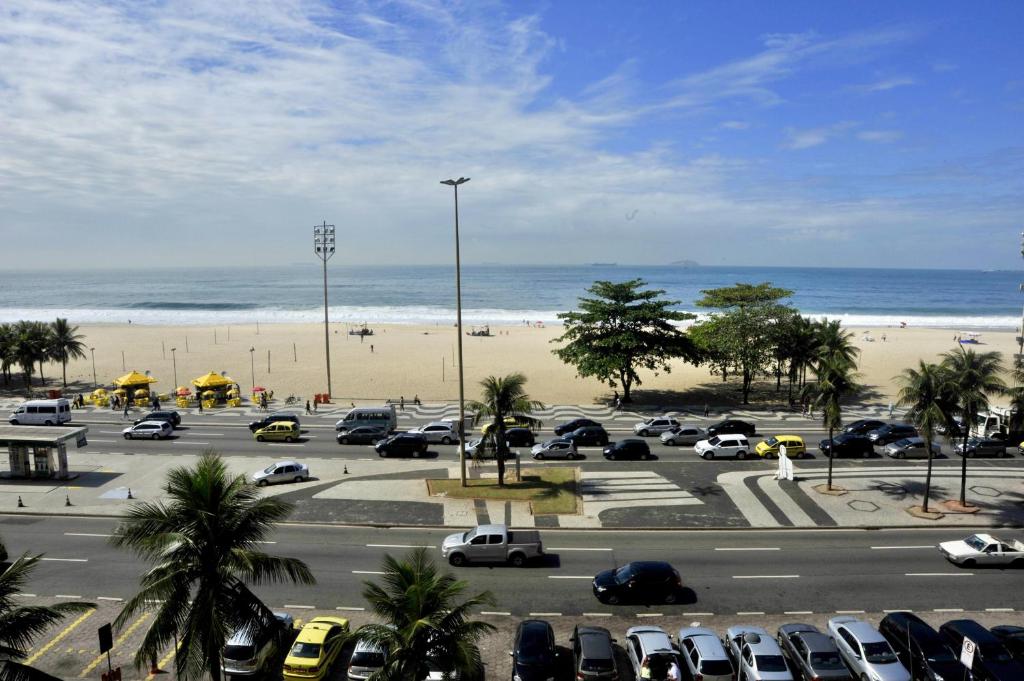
(99, 397)
(212, 388)
(183, 396)
(234, 397)
(134, 386)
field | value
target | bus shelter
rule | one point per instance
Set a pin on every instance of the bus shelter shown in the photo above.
(39, 452)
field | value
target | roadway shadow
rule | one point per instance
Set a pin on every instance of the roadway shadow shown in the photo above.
(84, 479)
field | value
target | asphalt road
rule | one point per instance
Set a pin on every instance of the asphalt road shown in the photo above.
(737, 572)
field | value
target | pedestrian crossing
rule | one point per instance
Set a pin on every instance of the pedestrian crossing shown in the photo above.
(602, 491)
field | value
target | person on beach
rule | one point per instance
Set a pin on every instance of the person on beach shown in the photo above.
(371, 348)
(309, 410)
(401, 402)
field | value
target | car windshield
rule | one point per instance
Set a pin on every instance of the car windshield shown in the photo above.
(772, 441)
(994, 653)
(624, 574)
(905, 442)
(311, 650)
(239, 652)
(879, 653)
(975, 542)
(714, 441)
(367, 658)
(770, 663)
(469, 535)
(938, 653)
(826, 661)
(716, 668)
(270, 468)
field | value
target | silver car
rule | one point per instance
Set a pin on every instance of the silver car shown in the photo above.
(248, 653)
(367, 658)
(683, 435)
(555, 449)
(148, 430)
(655, 426)
(282, 471)
(439, 432)
(911, 448)
(704, 655)
(756, 654)
(865, 651)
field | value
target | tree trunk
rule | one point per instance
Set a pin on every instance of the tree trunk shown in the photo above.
(928, 476)
(500, 447)
(832, 456)
(64, 370)
(42, 379)
(746, 385)
(627, 384)
(963, 461)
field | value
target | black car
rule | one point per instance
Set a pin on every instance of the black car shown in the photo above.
(533, 655)
(814, 655)
(361, 435)
(520, 437)
(648, 581)
(273, 418)
(593, 657)
(732, 427)
(891, 432)
(588, 436)
(575, 424)
(992, 662)
(847, 444)
(919, 647)
(628, 449)
(171, 417)
(1012, 637)
(403, 444)
(863, 426)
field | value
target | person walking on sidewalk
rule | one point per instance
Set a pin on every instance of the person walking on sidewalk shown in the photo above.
(309, 410)
(127, 404)
(401, 402)
(707, 410)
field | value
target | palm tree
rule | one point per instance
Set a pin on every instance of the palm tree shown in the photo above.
(834, 343)
(29, 348)
(503, 396)
(7, 356)
(928, 394)
(65, 344)
(205, 545)
(425, 622)
(836, 380)
(974, 376)
(19, 625)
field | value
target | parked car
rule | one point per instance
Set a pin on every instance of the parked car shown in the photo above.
(367, 659)
(438, 432)
(982, 446)
(655, 426)
(282, 471)
(992, 661)
(250, 653)
(721, 446)
(847, 444)
(891, 432)
(172, 417)
(315, 649)
(588, 436)
(402, 444)
(863, 426)
(683, 435)
(648, 581)
(649, 648)
(911, 448)
(492, 543)
(813, 654)
(865, 651)
(732, 427)
(593, 654)
(576, 424)
(769, 449)
(1012, 637)
(983, 549)
(533, 654)
(921, 649)
(361, 435)
(148, 430)
(288, 431)
(555, 449)
(756, 655)
(273, 418)
(628, 449)
(704, 655)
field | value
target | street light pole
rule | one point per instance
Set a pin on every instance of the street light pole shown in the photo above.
(92, 351)
(323, 246)
(458, 326)
(174, 362)
(252, 366)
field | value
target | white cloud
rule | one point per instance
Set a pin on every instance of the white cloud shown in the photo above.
(884, 85)
(880, 136)
(813, 137)
(734, 125)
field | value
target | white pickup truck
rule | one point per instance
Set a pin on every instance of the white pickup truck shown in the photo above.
(492, 544)
(983, 549)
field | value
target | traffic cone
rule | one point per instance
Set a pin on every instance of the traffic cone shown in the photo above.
(20, 504)
(129, 494)
(67, 500)
(346, 469)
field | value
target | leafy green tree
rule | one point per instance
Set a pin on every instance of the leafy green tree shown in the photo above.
(7, 351)
(709, 337)
(20, 625)
(502, 397)
(834, 343)
(836, 380)
(65, 344)
(205, 543)
(802, 350)
(621, 330)
(425, 621)
(928, 395)
(31, 340)
(975, 376)
(743, 296)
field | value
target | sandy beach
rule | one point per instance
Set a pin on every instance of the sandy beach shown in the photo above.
(403, 360)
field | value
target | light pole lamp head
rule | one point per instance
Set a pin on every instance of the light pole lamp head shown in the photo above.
(455, 183)
(252, 349)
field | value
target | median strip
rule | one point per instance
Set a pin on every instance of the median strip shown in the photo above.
(86, 534)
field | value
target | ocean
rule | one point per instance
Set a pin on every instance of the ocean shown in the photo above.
(491, 294)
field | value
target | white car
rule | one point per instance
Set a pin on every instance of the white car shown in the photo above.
(704, 655)
(756, 655)
(720, 446)
(148, 430)
(865, 651)
(655, 426)
(282, 471)
(683, 435)
(651, 645)
(438, 432)
(983, 549)
(555, 449)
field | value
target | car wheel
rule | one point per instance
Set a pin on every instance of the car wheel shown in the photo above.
(298, 478)
(517, 560)
(969, 455)
(670, 598)
(261, 483)
(49, 423)
(127, 436)
(642, 433)
(153, 436)
(259, 438)
(647, 457)
(708, 455)
(343, 441)
(289, 438)
(381, 454)
(900, 455)
(446, 440)
(741, 455)
(457, 560)
(1018, 563)
(970, 562)
(867, 453)
(670, 442)
(612, 599)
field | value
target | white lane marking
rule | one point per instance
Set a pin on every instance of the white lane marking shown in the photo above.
(93, 439)
(849, 612)
(190, 442)
(749, 612)
(266, 542)
(570, 576)
(350, 608)
(897, 610)
(26, 595)
(278, 444)
(597, 614)
(765, 576)
(214, 434)
(300, 607)
(367, 572)
(495, 612)
(648, 614)
(86, 534)
(999, 610)
(67, 596)
(545, 614)
(938, 574)
(881, 548)
(67, 560)
(751, 548)
(400, 546)
(109, 598)
(573, 548)
(698, 614)
(948, 610)
(798, 612)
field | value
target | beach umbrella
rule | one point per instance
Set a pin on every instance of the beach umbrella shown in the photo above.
(212, 380)
(133, 378)
(259, 389)
(183, 390)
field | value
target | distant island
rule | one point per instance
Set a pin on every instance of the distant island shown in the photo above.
(603, 264)
(684, 263)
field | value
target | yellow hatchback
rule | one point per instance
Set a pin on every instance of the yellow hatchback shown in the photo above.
(287, 431)
(769, 449)
(315, 649)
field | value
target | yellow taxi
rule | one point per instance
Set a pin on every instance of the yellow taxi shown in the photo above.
(510, 422)
(278, 431)
(315, 649)
(769, 449)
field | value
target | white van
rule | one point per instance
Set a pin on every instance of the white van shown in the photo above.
(42, 413)
(381, 417)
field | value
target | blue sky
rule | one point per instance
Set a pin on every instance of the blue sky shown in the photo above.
(794, 133)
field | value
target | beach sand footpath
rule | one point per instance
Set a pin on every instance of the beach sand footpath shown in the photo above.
(407, 360)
